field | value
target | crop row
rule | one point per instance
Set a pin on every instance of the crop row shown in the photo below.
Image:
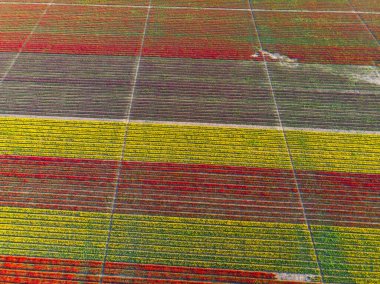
(205, 4)
(140, 238)
(316, 213)
(257, 247)
(103, 2)
(77, 219)
(191, 144)
(334, 5)
(57, 270)
(261, 148)
(340, 5)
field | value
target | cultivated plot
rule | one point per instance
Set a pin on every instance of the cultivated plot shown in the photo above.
(89, 30)
(324, 38)
(211, 34)
(327, 96)
(203, 91)
(17, 24)
(340, 200)
(68, 86)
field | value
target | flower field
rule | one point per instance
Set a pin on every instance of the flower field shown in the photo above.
(318, 37)
(198, 92)
(14, 29)
(189, 141)
(224, 215)
(38, 86)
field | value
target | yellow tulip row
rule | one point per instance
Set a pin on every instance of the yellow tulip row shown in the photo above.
(61, 138)
(324, 151)
(263, 148)
(207, 145)
(214, 243)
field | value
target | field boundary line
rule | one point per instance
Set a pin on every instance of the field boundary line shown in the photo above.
(295, 178)
(126, 120)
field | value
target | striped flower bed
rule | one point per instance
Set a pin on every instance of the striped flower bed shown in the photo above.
(189, 142)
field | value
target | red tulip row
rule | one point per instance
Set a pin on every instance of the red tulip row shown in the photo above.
(14, 269)
(170, 189)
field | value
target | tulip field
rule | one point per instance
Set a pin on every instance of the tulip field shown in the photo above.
(189, 141)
